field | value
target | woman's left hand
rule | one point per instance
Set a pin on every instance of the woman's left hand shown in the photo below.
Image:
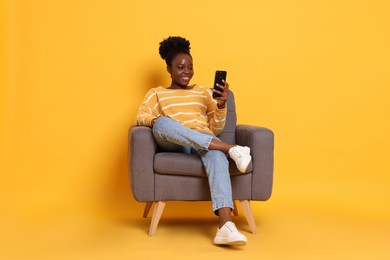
(224, 94)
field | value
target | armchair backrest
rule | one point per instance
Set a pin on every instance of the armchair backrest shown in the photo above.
(228, 134)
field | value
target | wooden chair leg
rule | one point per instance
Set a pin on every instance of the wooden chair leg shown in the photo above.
(147, 209)
(157, 211)
(235, 210)
(246, 207)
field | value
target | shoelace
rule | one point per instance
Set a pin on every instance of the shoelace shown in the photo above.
(231, 227)
(237, 152)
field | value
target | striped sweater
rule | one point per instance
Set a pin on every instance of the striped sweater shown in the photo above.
(194, 108)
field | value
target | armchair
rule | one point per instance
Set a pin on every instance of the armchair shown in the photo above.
(160, 176)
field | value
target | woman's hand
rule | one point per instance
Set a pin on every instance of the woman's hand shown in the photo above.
(155, 119)
(224, 94)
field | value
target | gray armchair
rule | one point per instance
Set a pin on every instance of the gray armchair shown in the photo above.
(160, 176)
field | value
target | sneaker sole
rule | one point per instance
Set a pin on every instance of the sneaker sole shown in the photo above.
(232, 243)
(222, 242)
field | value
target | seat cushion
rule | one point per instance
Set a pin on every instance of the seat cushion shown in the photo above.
(187, 165)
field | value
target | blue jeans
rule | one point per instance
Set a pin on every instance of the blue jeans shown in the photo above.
(171, 136)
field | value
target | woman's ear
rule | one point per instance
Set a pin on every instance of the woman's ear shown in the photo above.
(169, 69)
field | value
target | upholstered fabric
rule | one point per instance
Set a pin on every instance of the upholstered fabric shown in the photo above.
(190, 165)
(164, 176)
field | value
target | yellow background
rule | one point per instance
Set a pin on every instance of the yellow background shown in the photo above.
(73, 74)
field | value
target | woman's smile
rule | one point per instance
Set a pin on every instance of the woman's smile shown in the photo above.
(181, 70)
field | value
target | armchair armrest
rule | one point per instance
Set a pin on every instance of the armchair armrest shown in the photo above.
(142, 149)
(261, 142)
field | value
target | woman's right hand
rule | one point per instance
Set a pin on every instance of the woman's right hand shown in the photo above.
(153, 121)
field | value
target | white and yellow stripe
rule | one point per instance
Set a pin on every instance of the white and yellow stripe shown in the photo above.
(194, 108)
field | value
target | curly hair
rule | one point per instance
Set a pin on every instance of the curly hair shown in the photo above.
(172, 46)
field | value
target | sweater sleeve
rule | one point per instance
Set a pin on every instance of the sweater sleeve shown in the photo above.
(216, 116)
(147, 111)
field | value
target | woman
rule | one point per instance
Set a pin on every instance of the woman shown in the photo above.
(186, 118)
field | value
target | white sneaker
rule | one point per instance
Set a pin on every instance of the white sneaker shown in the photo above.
(241, 156)
(229, 235)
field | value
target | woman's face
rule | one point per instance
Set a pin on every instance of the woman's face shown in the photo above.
(181, 70)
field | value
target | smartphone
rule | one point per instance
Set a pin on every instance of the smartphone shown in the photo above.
(219, 76)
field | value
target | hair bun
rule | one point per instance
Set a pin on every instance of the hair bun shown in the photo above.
(172, 45)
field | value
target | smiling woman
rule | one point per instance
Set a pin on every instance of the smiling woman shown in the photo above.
(176, 53)
(186, 118)
(181, 71)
